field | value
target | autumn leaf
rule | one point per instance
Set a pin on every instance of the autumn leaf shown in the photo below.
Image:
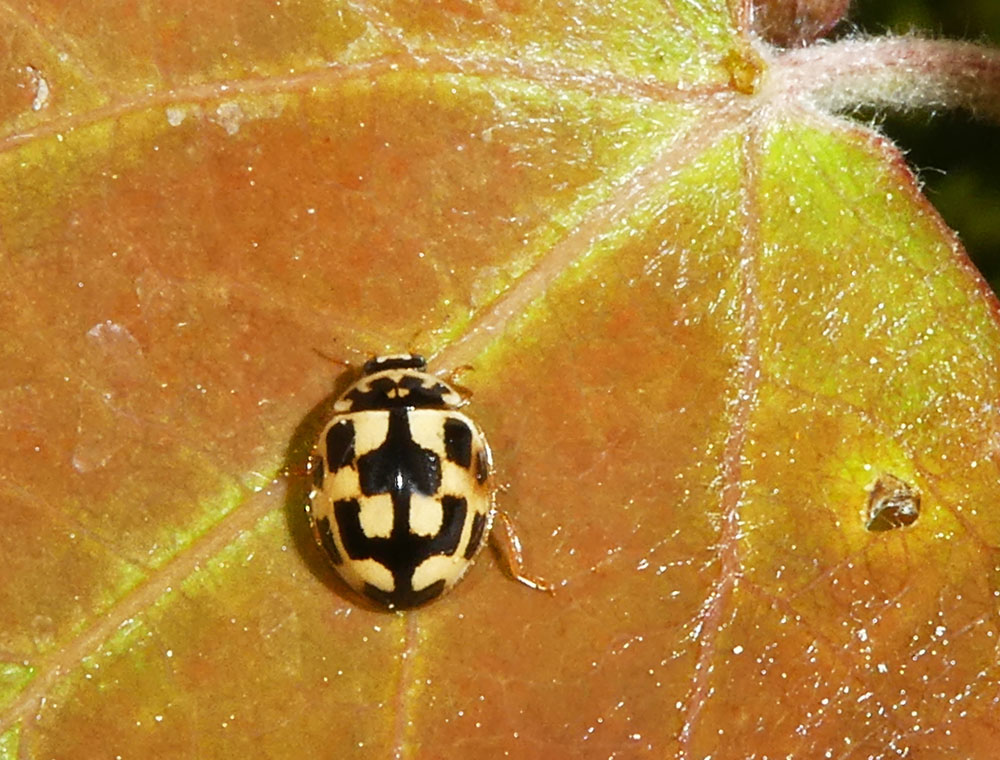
(739, 376)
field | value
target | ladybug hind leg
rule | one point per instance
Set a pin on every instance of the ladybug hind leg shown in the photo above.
(508, 546)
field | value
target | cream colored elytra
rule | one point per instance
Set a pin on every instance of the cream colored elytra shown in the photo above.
(403, 493)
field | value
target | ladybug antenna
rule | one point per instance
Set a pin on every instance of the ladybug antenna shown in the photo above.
(331, 359)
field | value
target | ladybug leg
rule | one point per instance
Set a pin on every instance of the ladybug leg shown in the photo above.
(456, 372)
(508, 546)
(312, 469)
(451, 377)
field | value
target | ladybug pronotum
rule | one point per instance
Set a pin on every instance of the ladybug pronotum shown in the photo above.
(403, 496)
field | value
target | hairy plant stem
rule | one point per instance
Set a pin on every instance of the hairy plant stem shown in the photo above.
(898, 73)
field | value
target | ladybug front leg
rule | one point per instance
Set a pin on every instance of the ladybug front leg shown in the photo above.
(508, 546)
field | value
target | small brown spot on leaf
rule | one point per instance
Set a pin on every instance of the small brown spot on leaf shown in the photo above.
(892, 503)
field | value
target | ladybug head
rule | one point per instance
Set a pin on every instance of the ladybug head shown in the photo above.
(395, 361)
(398, 381)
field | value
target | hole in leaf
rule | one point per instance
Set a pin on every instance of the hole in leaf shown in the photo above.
(892, 503)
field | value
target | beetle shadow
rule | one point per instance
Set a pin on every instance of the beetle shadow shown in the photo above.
(299, 480)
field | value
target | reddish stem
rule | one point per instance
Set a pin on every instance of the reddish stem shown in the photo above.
(891, 72)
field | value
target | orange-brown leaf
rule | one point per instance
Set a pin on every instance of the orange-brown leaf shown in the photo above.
(703, 327)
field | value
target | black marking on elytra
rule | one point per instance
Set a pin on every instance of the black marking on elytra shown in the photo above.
(452, 523)
(409, 393)
(458, 442)
(340, 445)
(404, 600)
(347, 513)
(400, 467)
(318, 472)
(482, 466)
(403, 361)
(326, 539)
(475, 535)
(400, 464)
